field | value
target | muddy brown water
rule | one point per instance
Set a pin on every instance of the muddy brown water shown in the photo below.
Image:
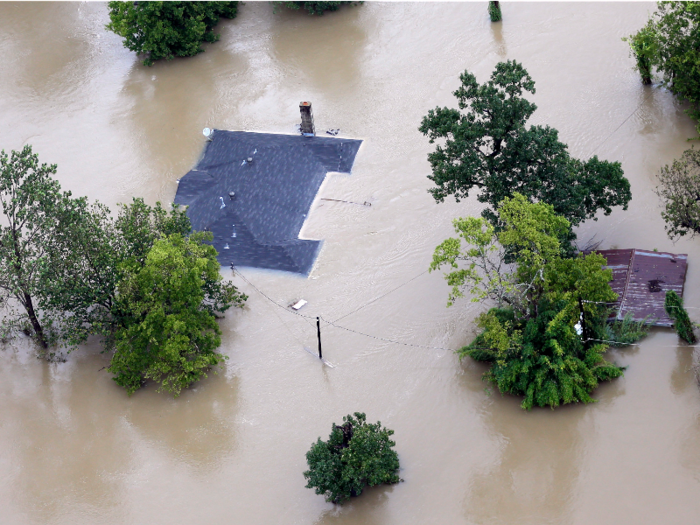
(75, 449)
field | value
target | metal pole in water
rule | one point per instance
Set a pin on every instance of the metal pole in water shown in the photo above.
(318, 330)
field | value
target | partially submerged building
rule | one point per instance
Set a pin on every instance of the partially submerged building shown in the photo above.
(253, 191)
(641, 279)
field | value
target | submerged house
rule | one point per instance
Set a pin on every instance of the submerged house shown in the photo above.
(253, 191)
(641, 279)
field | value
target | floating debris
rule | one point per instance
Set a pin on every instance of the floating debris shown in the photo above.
(298, 304)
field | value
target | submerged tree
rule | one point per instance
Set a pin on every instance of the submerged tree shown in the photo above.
(169, 305)
(143, 281)
(679, 189)
(356, 455)
(148, 286)
(673, 305)
(84, 283)
(486, 145)
(33, 209)
(313, 8)
(541, 337)
(643, 45)
(167, 29)
(670, 42)
(495, 11)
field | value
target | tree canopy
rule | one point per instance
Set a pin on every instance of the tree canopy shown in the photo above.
(313, 8)
(167, 29)
(168, 304)
(679, 189)
(357, 454)
(670, 42)
(142, 281)
(34, 210)
(92, 251)
(485, 144)
(542, 337)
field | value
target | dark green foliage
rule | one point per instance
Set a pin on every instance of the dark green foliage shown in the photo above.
(674, 308)
(148, 286)
(357, 454)
(142, 281)
(91, 254)
(540, 340)
(168, 329)
(314, 8)
(679, 188)
(485, 144)
(670, 41)
(495, 11)
(546, 361)
(167, 29)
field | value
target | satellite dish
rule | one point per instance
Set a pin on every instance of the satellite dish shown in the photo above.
(206, 132)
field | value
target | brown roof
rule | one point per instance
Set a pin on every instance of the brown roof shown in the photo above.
(641, 279)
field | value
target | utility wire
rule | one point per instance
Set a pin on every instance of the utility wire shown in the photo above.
(332, 323)
(380, 297)
(624, 121)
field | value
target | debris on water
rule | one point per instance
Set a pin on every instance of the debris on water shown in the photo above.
(223, 205)
(333, 132)
(298, 304)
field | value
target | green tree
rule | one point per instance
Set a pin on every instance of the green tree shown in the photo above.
(530, 231)
(541, 337)
(543, 359)
(34, 208)
(679, 189)
(87, 266)
(313, 8)
(169, 306)
(673, 305)
(670, 41)
(167, 29)
(495, 11)
(357, 454)
(485, 144)
(643, 45)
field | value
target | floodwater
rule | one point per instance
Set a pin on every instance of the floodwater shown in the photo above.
(75, 449)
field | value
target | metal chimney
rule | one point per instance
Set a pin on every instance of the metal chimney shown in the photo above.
(307, 120)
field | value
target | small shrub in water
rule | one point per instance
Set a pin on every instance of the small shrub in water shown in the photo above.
(357, 454)
(674, 309)
(495, 11)
(626, 332)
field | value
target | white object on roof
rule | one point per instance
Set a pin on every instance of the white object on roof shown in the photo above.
(299, 304)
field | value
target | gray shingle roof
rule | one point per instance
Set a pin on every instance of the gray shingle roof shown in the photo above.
(273, 194)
